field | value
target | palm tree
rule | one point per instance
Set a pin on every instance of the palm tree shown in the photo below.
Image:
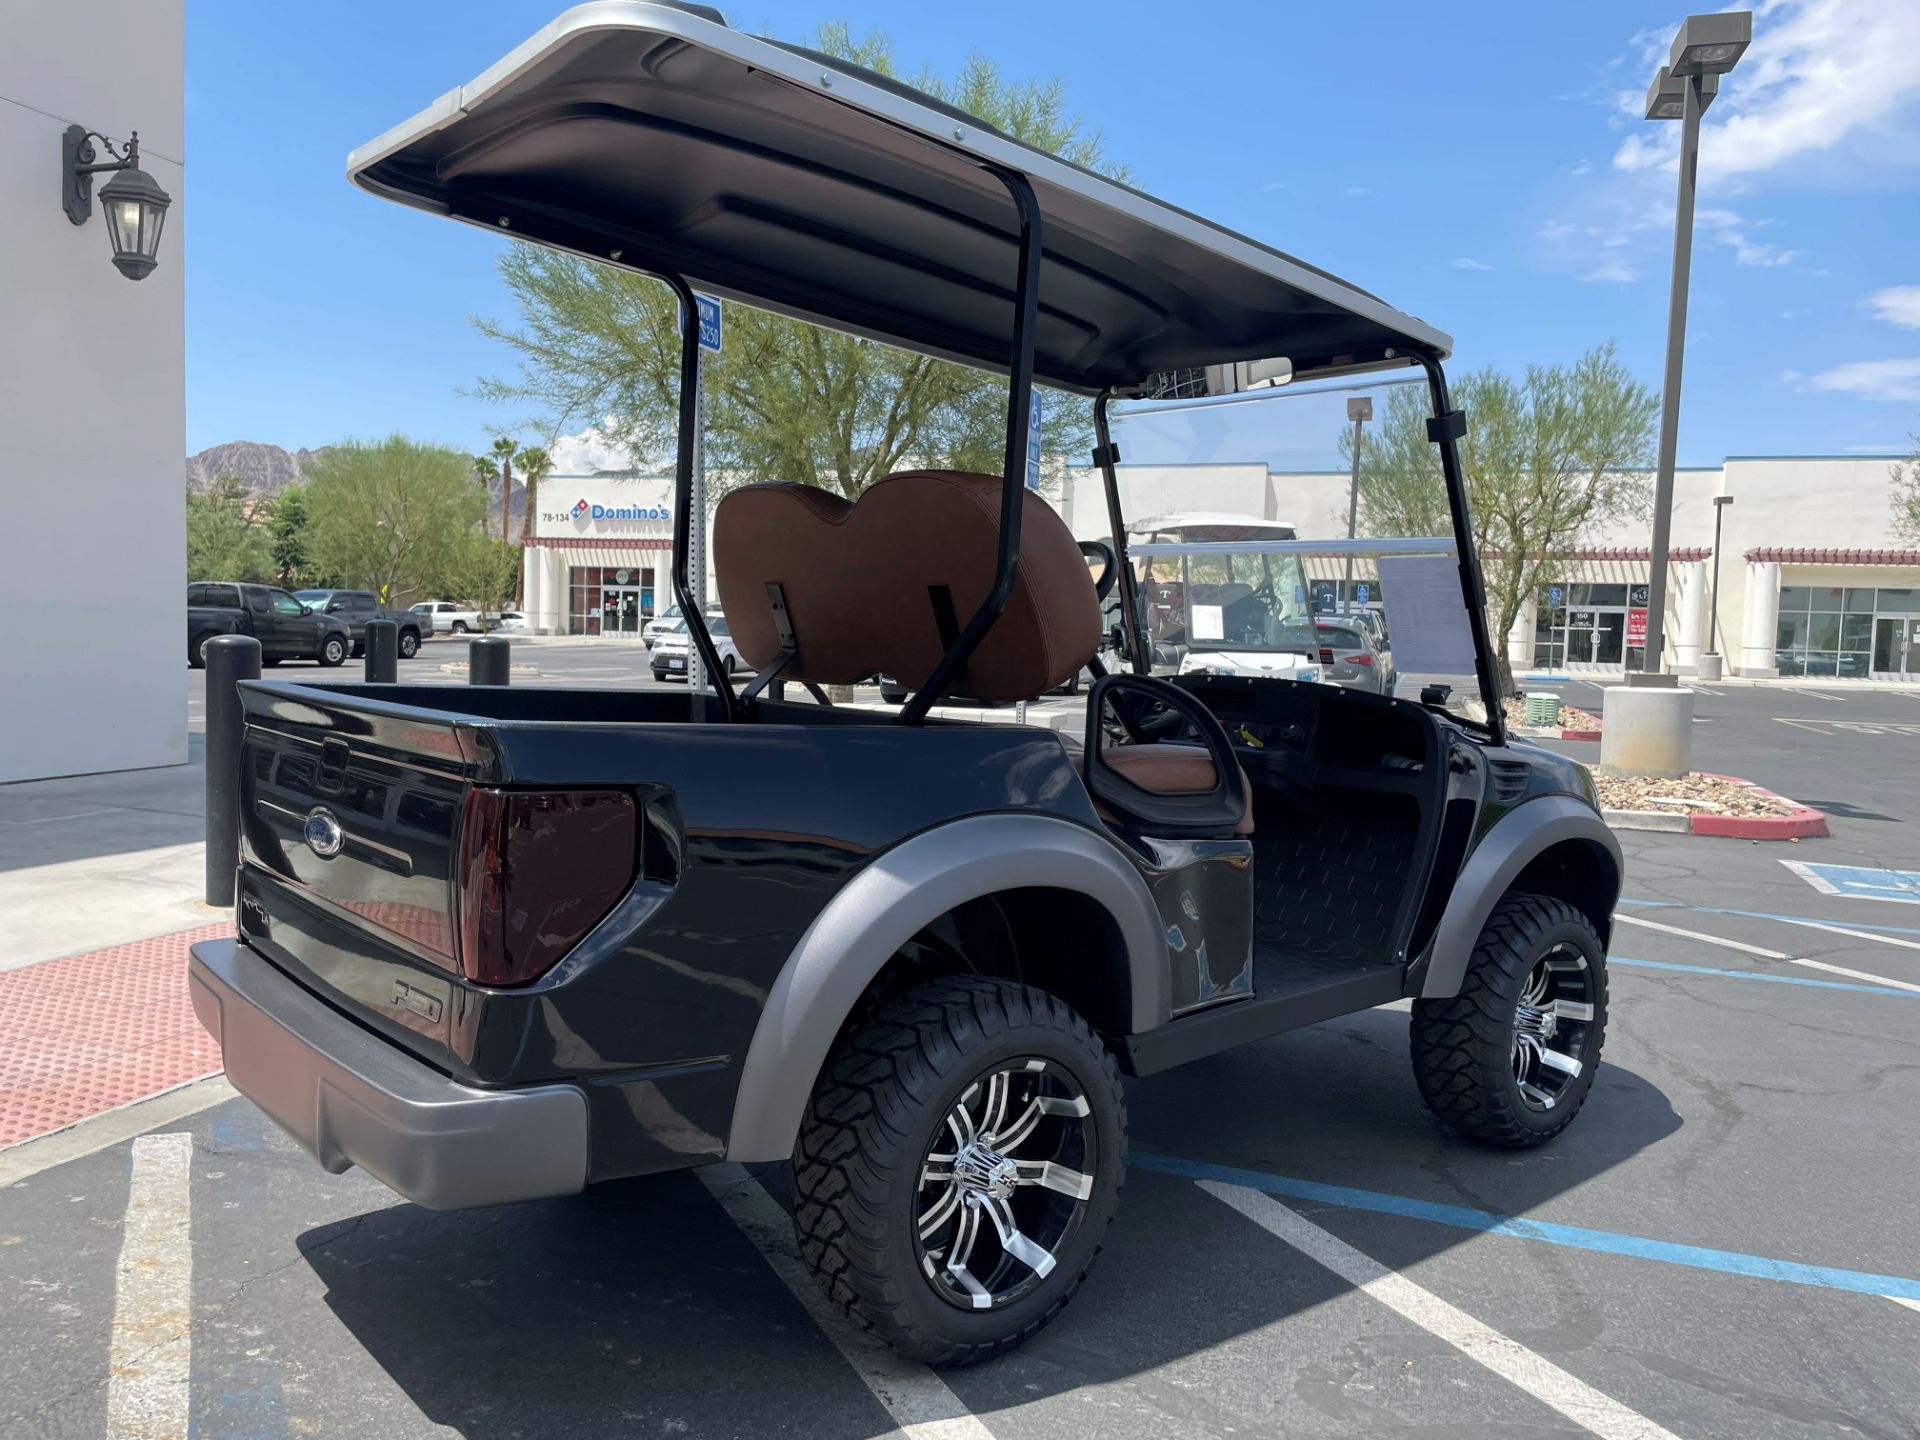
(535, 464)
(508, 450)
(488, 470)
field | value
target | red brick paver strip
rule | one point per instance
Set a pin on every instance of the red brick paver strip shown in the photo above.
(87, 1033)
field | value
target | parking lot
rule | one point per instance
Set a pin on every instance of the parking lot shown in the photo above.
(1720, 1247)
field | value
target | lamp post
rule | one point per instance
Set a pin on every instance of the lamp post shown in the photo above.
(1710, 662)
(1707, 47)
(1359, 411)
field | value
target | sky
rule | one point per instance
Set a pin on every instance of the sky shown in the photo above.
(1482, 166)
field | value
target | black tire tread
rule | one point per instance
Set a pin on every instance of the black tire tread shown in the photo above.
(1457, 1042)
(854, 1138)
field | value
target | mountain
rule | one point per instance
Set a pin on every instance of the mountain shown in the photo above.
(266, 469)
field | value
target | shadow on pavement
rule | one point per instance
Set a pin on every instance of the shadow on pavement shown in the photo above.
(640, 1301)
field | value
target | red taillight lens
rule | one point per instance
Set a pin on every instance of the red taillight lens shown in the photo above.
(537, 870)
(1356, 660)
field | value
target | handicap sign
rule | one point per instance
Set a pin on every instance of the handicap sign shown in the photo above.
(709, 322)
(1035, 411)
(1859, 882)
(1362, 592)
(1299, 594)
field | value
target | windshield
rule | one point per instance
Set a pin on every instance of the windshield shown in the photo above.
(311, 597)
(1238, 516)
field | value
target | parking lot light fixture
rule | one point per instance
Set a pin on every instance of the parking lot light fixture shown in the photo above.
(1707, 47)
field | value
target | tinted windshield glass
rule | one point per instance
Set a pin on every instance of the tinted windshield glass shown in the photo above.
(311, 597)
(1279, 464)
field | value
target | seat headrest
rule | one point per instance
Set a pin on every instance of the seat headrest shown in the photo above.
(860, 578)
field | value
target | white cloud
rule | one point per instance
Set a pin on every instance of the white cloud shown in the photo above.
(589, 450)
(1463, 263)
(1612, 271)
(1870, 379)
(1585, 167)
(1354, 191)
(1897, 305)
(1274, 185)
(1817, 71)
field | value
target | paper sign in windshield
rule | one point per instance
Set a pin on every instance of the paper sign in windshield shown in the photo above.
(1426, 615)
(1209, 622)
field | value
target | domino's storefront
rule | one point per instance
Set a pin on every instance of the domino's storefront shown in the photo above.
(599, 559)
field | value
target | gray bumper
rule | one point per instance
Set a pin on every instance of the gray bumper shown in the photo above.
(351, 1098)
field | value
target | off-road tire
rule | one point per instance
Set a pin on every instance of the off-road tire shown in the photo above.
(872, 1115)
(1463, 1046)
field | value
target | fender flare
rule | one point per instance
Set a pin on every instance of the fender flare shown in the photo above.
(1515, 840)
(883, 906)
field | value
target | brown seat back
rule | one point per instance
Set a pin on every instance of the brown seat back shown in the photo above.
(858, 580)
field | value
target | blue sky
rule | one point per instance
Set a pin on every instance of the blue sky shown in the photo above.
(1482, 166)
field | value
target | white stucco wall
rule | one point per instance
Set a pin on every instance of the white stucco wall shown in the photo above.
(91, 391)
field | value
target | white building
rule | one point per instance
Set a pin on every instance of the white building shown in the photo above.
(1811, 580)
(602, 555)
(91, 391)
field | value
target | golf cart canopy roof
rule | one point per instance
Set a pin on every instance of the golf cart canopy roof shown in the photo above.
(654, 136)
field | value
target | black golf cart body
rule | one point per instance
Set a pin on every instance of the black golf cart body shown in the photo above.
(703, 894)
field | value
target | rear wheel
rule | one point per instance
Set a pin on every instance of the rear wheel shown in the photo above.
(1510, 1059)
(958, 1166)
(459, 627)
(197, 649)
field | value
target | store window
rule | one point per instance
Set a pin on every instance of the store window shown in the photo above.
(1825, 630)
(609, 599)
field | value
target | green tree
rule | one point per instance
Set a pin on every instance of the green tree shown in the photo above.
(387, 515)
(481, 570)
(287, 524)
(224, 542)
(1549, 459)
(1906, 496)
(785, 400)
(505, 451)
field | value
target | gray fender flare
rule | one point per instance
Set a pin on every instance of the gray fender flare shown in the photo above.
(883, 906)
(1503, 852)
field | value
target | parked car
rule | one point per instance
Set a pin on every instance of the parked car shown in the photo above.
(507, 942)
(670, 650)
(507, 621)
(455, 619)
(1349, 657)
(358, 607)
(670, 620)
(285, 628)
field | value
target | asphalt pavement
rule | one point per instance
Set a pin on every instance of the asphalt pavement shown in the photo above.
(1720, 1246)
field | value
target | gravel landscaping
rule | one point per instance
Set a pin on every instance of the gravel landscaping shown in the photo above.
(1689, 795)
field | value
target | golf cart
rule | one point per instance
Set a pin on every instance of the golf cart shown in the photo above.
(499, 943)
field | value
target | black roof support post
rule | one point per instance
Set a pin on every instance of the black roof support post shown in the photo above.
(1026, 304)
(683, 517)
(1106, 455)
(1445, 430)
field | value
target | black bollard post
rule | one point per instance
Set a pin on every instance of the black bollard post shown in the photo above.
(487, 659)
(383, 652)
(230, 659)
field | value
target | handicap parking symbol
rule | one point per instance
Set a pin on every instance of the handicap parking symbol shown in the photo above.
(1858, 882)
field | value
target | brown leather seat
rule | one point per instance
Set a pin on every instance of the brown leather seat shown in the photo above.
(859, 579)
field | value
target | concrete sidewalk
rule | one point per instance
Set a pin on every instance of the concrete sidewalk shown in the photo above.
(100, 860)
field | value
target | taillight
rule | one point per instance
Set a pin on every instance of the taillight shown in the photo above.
(536, 871)
(1357, 660)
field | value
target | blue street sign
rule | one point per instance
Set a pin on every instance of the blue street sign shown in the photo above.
(1362, 592)
(1858, 882)
(709, 322)
(1035, 411)
(1299, 595)
(1554, 595)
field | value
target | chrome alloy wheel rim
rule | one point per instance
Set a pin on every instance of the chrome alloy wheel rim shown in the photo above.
(1004, 1184)
(1550, 1026)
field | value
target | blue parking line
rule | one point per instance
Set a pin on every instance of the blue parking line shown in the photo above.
(1762, 975)
(1849, 922)
(1576, 1237)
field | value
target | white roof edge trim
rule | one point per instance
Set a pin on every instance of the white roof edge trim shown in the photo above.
(850, 90)
(1434, 545)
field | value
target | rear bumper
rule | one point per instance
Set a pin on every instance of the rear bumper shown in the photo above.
(351, 1098)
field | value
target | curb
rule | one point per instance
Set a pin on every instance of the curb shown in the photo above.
(1579, 734)
(1803, 823)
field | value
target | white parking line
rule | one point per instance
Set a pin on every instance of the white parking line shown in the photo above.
(1852, 934)
(1572, 1397)
(1766, 954)
(919, 1400)
(151, 1353)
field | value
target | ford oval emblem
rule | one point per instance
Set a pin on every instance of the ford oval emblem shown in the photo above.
(323, 833)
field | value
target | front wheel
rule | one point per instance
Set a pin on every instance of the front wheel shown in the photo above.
(409, 644)
(333, 651)
(958, 1166)
(1510, 1059)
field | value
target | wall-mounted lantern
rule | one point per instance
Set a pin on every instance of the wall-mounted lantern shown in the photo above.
(134, 202)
